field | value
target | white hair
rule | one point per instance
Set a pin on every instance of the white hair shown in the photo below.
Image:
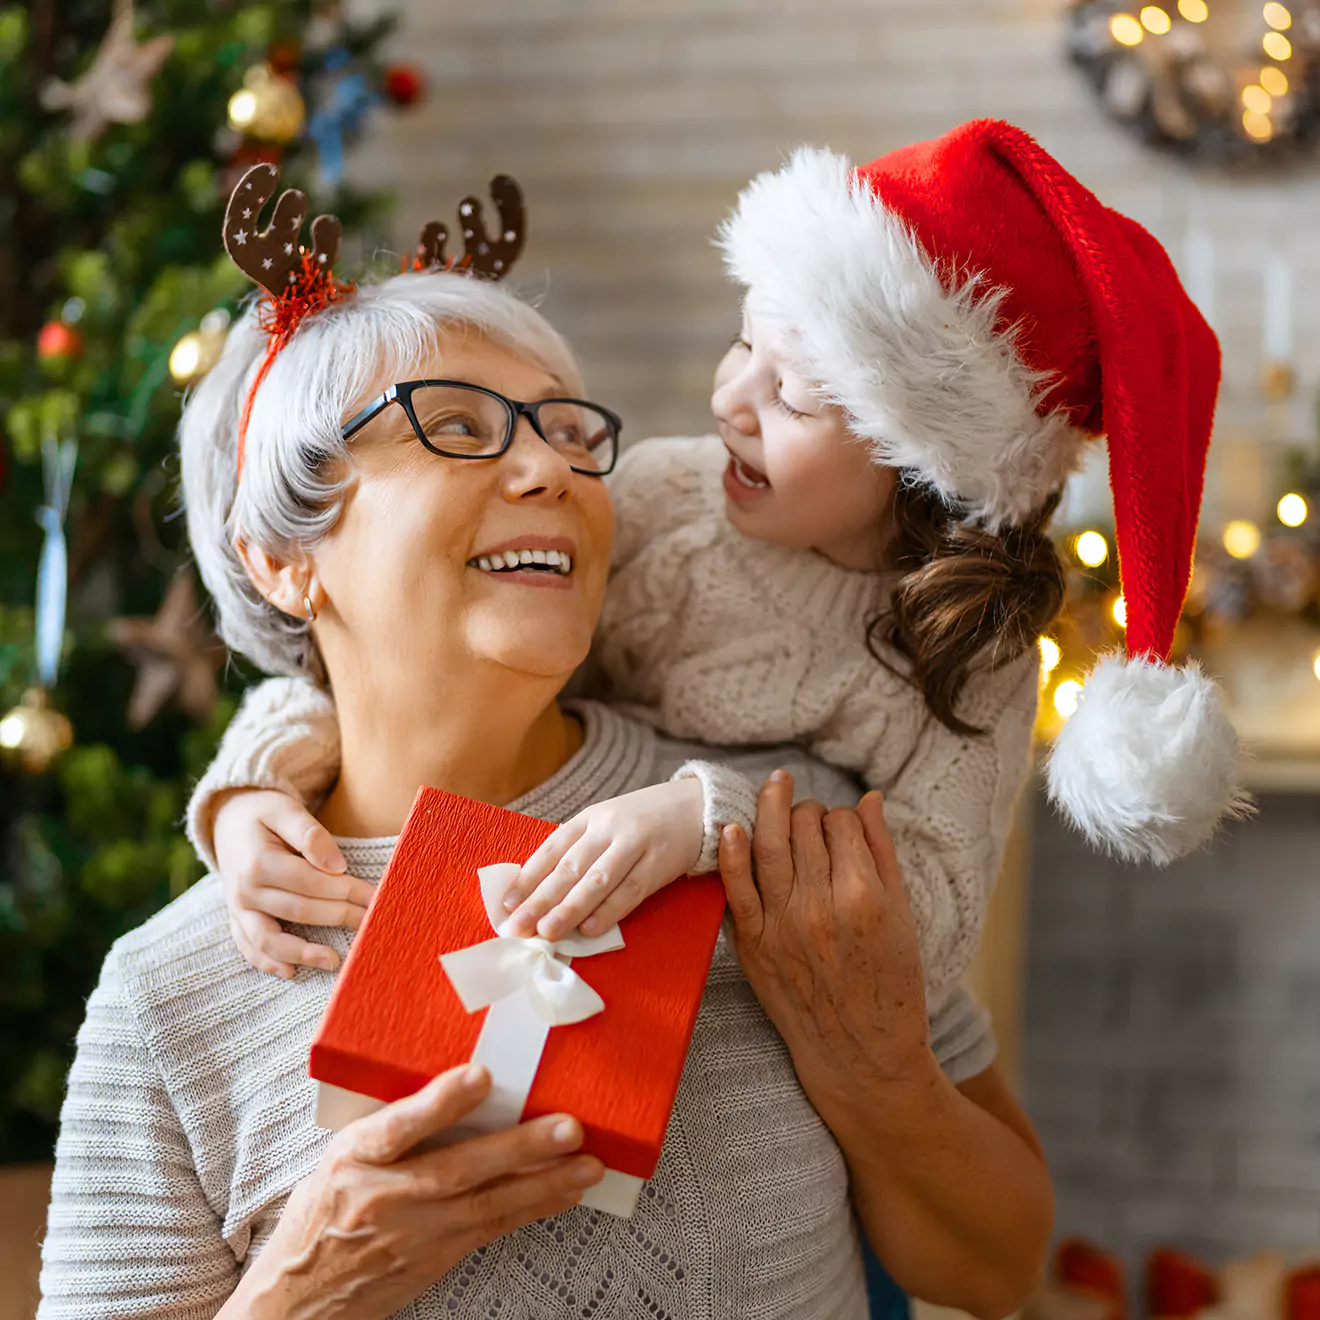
(293, 473)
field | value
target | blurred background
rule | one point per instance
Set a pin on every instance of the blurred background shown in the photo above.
(1164, 1028)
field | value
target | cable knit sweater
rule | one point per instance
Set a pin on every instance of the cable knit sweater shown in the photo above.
(710, 636)
(188, 1121)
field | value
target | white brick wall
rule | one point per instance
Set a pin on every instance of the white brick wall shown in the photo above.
(632, 125)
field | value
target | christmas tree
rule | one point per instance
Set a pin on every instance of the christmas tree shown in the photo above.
(121, 133)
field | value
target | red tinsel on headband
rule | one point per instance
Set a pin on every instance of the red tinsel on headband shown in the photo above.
(313, 288)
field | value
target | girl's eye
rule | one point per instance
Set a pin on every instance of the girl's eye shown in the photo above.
(792, 412)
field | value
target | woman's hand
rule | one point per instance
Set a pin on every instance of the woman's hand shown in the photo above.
(600, 865)
(278, 863)
(826, 938)
(385, 1214)
(949, 1182)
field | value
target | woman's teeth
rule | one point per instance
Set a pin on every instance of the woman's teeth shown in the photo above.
(748, 476)
(551, 561)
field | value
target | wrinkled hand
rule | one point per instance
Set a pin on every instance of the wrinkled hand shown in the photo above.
(386, 1213)
(825, 936)
(278, 863)
(599, 866)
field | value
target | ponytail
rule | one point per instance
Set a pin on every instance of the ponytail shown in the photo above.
(966, 593)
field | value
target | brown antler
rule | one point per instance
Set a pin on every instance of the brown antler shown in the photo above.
(272, 257)
(482, 255)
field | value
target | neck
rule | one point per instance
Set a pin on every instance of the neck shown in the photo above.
(486, 738)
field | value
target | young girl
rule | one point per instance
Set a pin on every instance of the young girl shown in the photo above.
(858, 561)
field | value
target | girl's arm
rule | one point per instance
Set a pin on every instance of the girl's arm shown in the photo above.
(285, 736)
(950, 808)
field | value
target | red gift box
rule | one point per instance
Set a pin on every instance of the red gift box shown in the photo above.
(395, 1019)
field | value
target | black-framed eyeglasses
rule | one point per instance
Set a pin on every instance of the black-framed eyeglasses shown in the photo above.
(457, 420)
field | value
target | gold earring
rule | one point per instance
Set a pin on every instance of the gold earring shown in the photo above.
(311, 613)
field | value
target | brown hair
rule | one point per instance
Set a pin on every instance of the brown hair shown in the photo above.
(966, 593)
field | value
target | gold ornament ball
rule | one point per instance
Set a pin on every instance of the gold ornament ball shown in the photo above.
(32, 734)
(195, 354)
(268, 106)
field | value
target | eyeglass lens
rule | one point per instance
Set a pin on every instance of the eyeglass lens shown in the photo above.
(465, 423)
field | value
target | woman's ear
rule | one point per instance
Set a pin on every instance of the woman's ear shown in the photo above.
(291, 588)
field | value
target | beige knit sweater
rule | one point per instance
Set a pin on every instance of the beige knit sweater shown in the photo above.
(188, 1121)
(710, 636)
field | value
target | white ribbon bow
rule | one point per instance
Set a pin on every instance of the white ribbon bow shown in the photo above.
(497, 969)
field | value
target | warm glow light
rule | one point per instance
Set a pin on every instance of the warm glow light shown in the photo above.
(1277, 46)
(242, 108)
(185, 357)
(1126, 30)
(1258, 126)
(1050, 655)
(1119, 611)
(1194, 11)
(1315, 667)
(1091, 549)
(1241, 538)
(1066, 696)
(1257, 100)
(1155, 20)
(1277, 16)
(11, 731)
(1274, 80)
(1292, 510)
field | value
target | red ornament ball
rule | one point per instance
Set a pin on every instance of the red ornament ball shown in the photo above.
(58, 342)
(404, 83)
(283, 58)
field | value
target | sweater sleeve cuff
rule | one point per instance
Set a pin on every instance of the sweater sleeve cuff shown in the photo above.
(730, 799)
(285, 737)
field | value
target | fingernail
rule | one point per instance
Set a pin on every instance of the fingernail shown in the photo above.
(590, 926)
(565, 1132)
(780, 776)
(327, 962)
(510, 900)
(729, 833)
(472, 1077)
(586, 1172)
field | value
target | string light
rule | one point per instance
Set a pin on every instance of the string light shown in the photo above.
(1119, 611)
(1126, 30)
(1277, 16)
(1257, 99)
(1274, 80)
(1066, 697)
(242, 108)
(1241, 538)
(1091, 549)
(1257, 126)
(1292, 510)
(11, 731)
(1155, 20)
(1194, 11)
(1050, 655)
(1277, 46)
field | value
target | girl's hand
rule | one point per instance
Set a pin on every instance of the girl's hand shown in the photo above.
(599, 866)
(278, 863)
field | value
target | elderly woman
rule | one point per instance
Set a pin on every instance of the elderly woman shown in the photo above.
(191, 1180)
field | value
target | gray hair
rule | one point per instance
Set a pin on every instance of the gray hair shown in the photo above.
(293, 473)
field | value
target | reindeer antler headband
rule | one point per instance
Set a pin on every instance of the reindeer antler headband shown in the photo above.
(299, 282)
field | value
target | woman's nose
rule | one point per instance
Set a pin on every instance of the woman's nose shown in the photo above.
(532, 468)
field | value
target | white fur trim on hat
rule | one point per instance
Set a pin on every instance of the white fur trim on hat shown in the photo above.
(1147, 766)
(923, 372)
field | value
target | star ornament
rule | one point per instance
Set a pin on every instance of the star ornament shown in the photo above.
(177, 656)
(114, 90)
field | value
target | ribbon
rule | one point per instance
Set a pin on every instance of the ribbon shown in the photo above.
(508, 965)
(57, 459)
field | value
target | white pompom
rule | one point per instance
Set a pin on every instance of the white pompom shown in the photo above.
(1147, 766)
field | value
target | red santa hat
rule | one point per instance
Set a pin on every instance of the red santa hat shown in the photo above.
(980, 316)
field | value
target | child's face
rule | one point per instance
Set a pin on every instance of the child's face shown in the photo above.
(795, 476)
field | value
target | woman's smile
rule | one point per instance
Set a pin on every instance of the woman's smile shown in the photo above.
(529, 561)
